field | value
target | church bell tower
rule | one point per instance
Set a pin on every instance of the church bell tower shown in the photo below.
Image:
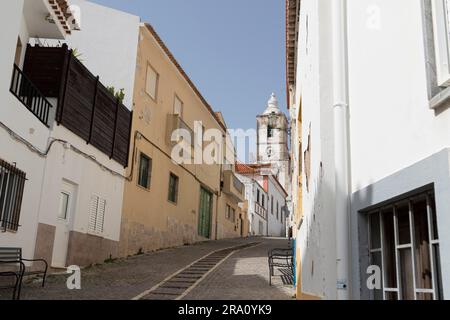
(272, 143)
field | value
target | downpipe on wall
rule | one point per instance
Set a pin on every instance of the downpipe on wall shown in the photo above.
(342, 148)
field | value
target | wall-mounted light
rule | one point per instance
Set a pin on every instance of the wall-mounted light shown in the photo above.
(49, 19)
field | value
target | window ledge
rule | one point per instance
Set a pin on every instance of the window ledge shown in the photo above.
(441, 99)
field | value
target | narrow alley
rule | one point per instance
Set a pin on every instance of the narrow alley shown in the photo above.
(241, 275)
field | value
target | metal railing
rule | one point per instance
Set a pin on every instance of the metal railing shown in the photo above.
(30, 96)
(260, 210)
(12, 182)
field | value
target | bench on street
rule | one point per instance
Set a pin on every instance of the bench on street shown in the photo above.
(12, 265)
(283, 260)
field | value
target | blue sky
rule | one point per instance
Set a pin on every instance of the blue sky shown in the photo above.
(233, 50)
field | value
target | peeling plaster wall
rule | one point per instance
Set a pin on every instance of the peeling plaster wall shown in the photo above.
(316, 236)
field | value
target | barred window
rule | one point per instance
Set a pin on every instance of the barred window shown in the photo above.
(12, 182)
(404, 243)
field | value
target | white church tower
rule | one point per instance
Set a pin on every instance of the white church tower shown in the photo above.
(273, 141)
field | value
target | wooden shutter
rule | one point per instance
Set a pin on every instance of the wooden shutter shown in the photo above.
(93, 214)
(97, 215)
(101, 215)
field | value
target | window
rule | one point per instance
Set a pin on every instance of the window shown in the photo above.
(230, 213)
(238, 185)
(441, 27)
(97, 215)
(404, 243)
(441, 37)
(271, 205)
(12, 182)
(277, 210)
(307, 161)
(173, 188)
(63, 205)
(145, 171)
(18, 54)
(263, 201)
(270, 130)
(257, 196)
(178, 107)
(151, 82)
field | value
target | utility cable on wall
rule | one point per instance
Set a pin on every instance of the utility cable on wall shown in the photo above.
(44, 154)
(65, 143)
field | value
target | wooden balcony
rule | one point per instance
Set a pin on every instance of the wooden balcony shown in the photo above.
(84, 106)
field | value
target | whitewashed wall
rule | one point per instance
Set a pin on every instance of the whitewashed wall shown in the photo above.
(15, 116)
(392, 127)
(277, 228)
(89, 179)
(391, 124)
(251, 187)
(316, 237)
(108, 43)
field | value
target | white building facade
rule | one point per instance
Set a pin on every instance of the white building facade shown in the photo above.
(256, 198)
(370, 93)
(267, 209)
(23, 136)
(72, 199)
(276, 206)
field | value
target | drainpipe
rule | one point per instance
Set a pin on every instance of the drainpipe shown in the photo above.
(341, 144)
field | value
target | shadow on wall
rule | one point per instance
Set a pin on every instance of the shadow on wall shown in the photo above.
(318, 244)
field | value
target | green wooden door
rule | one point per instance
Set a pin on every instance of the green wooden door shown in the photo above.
(205, 213)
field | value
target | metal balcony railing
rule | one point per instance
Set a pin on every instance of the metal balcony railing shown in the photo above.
(30, 96)
(260, 210)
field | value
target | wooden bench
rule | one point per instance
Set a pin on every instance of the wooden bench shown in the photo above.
(281, 258)
(12, 265)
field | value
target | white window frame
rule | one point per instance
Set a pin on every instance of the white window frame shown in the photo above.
(175, 111)
(441, 26)
(153, 95)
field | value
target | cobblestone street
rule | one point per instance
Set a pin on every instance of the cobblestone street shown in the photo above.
(243, 275)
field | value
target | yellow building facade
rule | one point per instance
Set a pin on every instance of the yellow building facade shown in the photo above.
(166, 203)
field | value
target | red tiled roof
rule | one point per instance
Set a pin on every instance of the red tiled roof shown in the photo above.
(255, 169)
(60, 8)
(244, 169)
(250, 168)
(291, 35)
